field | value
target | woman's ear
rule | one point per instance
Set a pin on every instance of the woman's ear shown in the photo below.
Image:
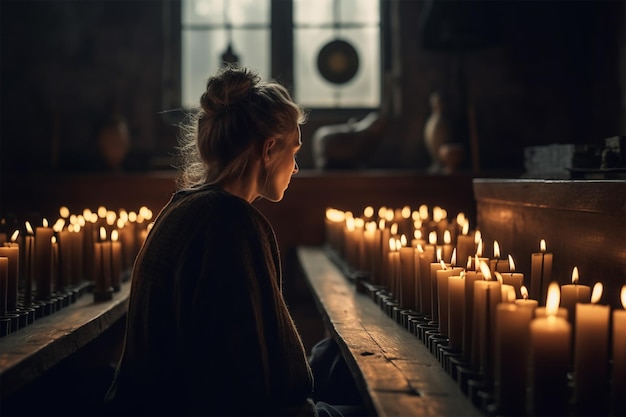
(269, 147)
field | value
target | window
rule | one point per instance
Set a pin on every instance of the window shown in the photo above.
(332, 59)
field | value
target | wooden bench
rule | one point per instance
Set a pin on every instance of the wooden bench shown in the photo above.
(395, 373)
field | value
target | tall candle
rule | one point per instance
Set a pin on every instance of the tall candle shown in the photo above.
(116, 261)
(442, 294)
(12, 253)
(447, 247)
(465, 244)
(65, 248)
(549, 360)
(496, 263)
(591, 348)
(468, 316)
(515, 279)
(434, 267)
(619, 357)
(511, 357)
(456, 307)
(487, 294)
(426, 258)
(29, 264)
(540, 272)
(77, 254)
(574, 293)
(4, 277)
(43, 261)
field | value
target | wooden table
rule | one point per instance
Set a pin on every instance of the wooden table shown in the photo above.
(396, 373)
(28, 353)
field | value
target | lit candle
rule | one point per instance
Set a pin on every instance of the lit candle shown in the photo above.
(102, 260)
(4, 277)
(515, 279)
(12, 252)
(369, 234)
(470, 352)
(540, 272)
(549, 359)
(43, 261)
(76, 242)
(29, 264)
(456, 308)
(434, 267)
(465, 243)
(511, 357)
(447, 247)
(591, 347)
(394, 266)
(407, 275)
(487, 294)
(426, 257)
(334, 220)
(526, 302)
(574, 293)
(619, 357)
(116, 261)
(443, 274)
(498, 264)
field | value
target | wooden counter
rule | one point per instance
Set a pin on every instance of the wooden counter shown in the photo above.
(396, 374)
(30, 352)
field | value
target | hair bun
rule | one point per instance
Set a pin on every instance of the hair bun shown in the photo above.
(228, 87)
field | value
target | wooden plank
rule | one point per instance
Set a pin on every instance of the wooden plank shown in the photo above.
(396, 374)
(28, 353)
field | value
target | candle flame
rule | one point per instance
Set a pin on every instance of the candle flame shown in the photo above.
(406, 212)
(29, 228)
(553, 299)
(403, 240)
(575, 275)
(453, 258)
(499, 277)
(102, 212)
(45, 222)
(420, 249)
(496, 249)
(439, 257)
(542, 245)
(437, 214)
(484, 268)
(114, 235)
(394, 229)
(524, 292)
(423, 211)
(350, 224)
(479, 249)
(466, 227)
(145, 212)
(110, 217)
(417, 234)
(64, 212)
(443, 264)
(53, 240)
(477, 236)
(623, 296)
(14, 236)
(596, 293)
(447, 238)
(432, 238)
(461, 219)
(368, 211)
(381, 224)
(469, 262)
(511, 264)
(87, 213)
(103, 233)
(58, 225)
(132, 216)
(370, 227)
(392, 244)
(389, 215)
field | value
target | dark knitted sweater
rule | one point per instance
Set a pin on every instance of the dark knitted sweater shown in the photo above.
(208, 331)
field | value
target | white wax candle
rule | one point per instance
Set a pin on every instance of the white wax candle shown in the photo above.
(12, 253)
(43, 262)
(511, 357)
(456, 307)
(487, 294)
(426, 258)
(591, 347)
(442, 295)
(468, 315)
(549, 360)
(619, 358)
(540, 273)
(434, 301)
(574, 293)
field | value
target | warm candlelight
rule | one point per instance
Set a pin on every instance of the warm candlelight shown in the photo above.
(426, 257)
(498, 264)
(12, 253)
(591, 348)
(443, 274)
(574, 293)
(526, 302)
(116, 260)
(469, 338)
(619, 357)
(43, 261)
(456, 307)
(465, 244)
(512, 278)
(540, 272)
(549, 359)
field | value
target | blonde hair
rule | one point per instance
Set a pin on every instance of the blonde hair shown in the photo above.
(238, 112)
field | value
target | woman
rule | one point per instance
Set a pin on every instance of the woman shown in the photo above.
(208, 331)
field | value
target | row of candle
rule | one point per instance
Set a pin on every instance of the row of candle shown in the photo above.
(488, 321)
(47, 259)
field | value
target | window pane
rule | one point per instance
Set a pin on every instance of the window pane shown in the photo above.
(312, 90)
(202, 11)
(245, 12)
(202, 56)
(359, 11)
(312, 12)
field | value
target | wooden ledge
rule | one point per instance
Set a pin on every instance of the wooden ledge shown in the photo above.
(394, 371)
(29, 352)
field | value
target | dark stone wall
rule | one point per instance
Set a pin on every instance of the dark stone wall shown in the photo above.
(534, 72)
